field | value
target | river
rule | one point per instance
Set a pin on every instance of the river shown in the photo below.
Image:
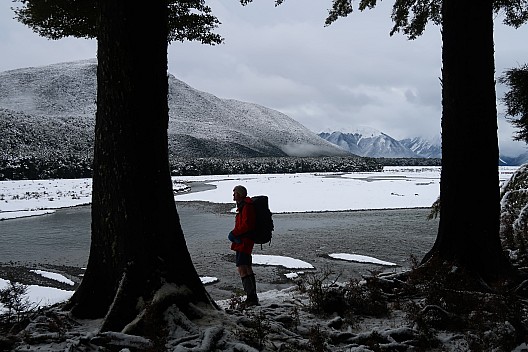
(63, 238)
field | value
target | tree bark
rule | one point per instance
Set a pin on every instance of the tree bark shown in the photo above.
(137, 243)
(468, 233)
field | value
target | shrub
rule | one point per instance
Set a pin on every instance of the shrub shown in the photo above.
(366, 299)
(255, 329)
(324, 295)
(17, 307)
(514, 216)
(317, 339)
(354, 298)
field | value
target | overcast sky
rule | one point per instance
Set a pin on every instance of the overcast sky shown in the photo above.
(342, 77)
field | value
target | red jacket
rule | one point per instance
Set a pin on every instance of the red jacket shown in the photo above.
(244, 222)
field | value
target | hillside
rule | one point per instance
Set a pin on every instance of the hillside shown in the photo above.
(47, 121)
(50, 110)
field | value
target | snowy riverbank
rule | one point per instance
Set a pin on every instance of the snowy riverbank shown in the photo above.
(396, 187)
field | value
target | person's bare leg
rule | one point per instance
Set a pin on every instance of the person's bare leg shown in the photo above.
(244, 270)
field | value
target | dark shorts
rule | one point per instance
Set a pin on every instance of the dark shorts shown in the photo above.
(242, 258)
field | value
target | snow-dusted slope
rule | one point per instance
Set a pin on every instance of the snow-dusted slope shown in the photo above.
(65, 89)
(423, 147)
(41, 106)
(45, 137)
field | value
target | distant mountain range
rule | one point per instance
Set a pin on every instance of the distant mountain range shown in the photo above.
(516, 160)
(369, 142)
(49, 112)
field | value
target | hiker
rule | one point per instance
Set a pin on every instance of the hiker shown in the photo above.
(243, 245)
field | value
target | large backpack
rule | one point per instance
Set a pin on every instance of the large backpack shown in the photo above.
(263, 221)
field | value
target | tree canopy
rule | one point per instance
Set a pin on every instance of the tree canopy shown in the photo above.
(516, 99)
(55, 19)
(411, 16)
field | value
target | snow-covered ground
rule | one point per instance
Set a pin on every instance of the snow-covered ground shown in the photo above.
(395, 187)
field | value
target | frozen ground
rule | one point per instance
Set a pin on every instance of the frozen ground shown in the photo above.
(396, 187)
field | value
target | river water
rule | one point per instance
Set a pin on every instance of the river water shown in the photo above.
(63, 238)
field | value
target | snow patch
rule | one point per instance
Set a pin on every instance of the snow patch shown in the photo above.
(360, 259)
(54, 276)
(277, 260)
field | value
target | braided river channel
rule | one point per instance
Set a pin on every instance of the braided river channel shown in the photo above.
(395, 236)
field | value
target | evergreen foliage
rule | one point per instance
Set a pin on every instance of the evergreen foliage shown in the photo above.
(411, 16)
(516, 99)
(515, 11)
(35, 168)
(272, 165)
(78, 166)
(514, 217)
(16, 307)
(56, 19)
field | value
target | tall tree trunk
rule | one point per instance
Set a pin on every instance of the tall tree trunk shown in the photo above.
(468, 233)
(137, 242)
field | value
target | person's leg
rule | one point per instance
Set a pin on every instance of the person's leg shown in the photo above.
(253, 284)
(243, 263)
(245, 271)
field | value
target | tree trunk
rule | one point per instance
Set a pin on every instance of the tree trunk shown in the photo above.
(468, 233)
(137, 242)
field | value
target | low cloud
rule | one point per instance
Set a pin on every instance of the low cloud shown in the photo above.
(303, 150)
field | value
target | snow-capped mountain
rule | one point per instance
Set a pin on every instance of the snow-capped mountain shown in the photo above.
(424, 148)
(369, 142)
(516, 160)
(50, 110)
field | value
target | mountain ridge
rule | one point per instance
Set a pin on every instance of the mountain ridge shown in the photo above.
(62, 98)
(49, 111)
(369, 142)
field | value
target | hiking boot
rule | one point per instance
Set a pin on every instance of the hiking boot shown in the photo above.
(249, 285)
(251, 300)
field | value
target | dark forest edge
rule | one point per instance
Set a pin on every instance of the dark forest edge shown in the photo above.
(34, 168)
